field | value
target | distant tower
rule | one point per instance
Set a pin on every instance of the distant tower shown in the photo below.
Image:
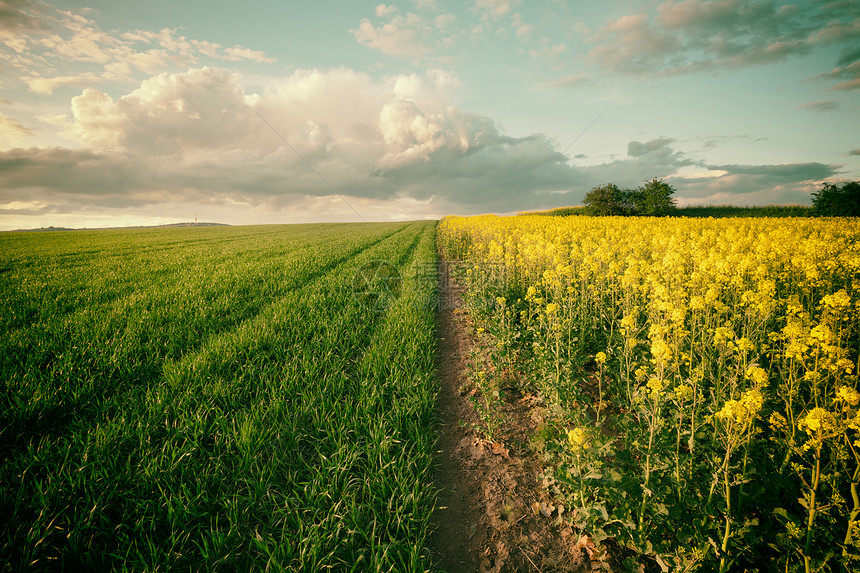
(195, 217)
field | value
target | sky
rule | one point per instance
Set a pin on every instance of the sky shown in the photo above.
(145, 113)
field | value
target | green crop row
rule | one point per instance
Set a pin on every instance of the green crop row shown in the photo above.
(215, 399)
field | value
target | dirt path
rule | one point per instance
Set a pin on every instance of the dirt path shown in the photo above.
(486, 519)
(459, 524)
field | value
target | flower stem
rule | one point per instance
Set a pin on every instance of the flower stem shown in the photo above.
(724, 564)
(855, 511)
(816, 476)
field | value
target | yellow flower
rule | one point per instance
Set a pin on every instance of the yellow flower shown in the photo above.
(576, 438)
(744, 411)
(794, 530)
(778, 421)
(821, 334)
(848, 395)
(660, 351)
(600, 358)
(723, 335)
(655, 386)
(684, 392)
(844, 364)
(551, 308)
(757, 374)
(818, 422)
(837, 300)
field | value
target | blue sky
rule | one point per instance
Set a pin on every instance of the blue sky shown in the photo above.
(122, 113)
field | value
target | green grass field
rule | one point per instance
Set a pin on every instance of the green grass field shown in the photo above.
(217, 398)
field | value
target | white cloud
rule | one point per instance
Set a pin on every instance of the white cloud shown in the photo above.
(46, 86)
(60, 119)
(443, 21)
(394, 145)
(400, 36)
(38, 40)
(12, 133)
(197, 136)
(631, 44)
(571, 80)
(417, 36)
(31, 206)
(201, 108)
(382, 10)
(495, 9)
(523, 29)
(237, 53)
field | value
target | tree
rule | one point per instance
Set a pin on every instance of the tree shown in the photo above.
(606, 200)
(653, 199)
(837, 201)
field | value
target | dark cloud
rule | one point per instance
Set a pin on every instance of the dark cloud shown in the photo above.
(786, 173)
(21, 16)
(660, 146)
(754, 184)
(690, 36)
(848, 77)
(46, 173)
(849, 56)
(501, 175)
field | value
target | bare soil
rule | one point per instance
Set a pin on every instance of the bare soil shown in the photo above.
(489, 517)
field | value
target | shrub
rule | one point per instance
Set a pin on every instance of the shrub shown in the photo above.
(606, 200)
(654, 199)
(837, 201)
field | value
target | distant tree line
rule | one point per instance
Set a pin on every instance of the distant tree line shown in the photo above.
(654, 199)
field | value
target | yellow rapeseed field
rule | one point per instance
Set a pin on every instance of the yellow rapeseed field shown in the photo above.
(726, 352)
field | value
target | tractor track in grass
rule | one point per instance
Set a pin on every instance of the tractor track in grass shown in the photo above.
(484, 519)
